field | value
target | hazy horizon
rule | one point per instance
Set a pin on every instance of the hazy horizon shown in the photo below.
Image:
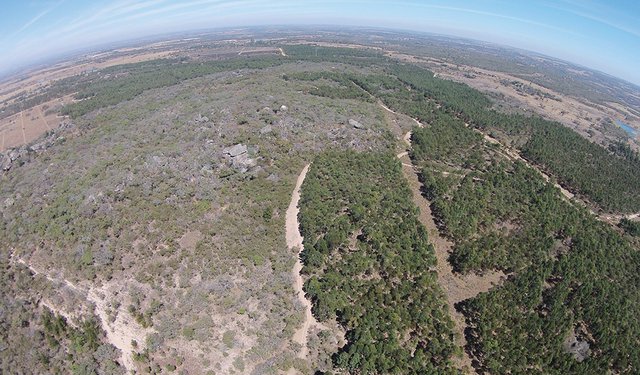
(594, 34)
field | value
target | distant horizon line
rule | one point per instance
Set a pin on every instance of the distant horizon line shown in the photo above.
(61, 57)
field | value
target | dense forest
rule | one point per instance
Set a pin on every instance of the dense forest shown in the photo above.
(368, 262)
(609, 179)
(572, 302)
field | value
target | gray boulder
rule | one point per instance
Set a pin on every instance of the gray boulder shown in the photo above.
(201, 119)
(236, 150)
(356, 124)
(243, 162)
(5, 162)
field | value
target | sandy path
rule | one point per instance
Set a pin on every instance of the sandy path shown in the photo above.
(294, 241)
(420, 125)
(123, 331)
(512, 154)
(24, 135)
(44, 120)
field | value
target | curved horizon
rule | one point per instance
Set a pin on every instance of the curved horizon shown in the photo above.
(601, 36)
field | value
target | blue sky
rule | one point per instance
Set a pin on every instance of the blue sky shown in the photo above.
(604, 35)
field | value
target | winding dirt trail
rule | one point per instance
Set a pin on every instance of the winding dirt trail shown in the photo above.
(398, 114)
(514, 155)
(294, 241)
(24, 135)
(44, 120)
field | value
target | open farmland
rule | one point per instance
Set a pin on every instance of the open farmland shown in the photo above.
(28, 125)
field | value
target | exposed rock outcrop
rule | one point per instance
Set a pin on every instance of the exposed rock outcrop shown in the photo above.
(239, 157)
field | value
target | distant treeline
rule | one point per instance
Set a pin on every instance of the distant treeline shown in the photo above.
(609, 180)
(134, 79)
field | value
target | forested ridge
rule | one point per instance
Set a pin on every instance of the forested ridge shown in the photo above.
(368, 263)
(125, 82)
(609, 178)
(571, 303)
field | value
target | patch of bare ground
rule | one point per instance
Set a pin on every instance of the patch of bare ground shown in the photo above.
(29, 124)
(120, 329)
(189, 240)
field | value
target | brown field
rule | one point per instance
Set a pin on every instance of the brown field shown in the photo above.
(26, 126)
(31, 123)
(43, 78)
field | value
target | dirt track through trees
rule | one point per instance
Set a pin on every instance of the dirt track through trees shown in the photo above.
(457, 287)
(294, 242)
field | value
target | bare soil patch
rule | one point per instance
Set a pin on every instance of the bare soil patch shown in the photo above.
(29, 124)
(43, 78)
(120, 328)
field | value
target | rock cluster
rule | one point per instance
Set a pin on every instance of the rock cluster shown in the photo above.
(201, 119)
(239, 157)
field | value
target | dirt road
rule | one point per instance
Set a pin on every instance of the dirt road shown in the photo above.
(456, 287)
(294, 241)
